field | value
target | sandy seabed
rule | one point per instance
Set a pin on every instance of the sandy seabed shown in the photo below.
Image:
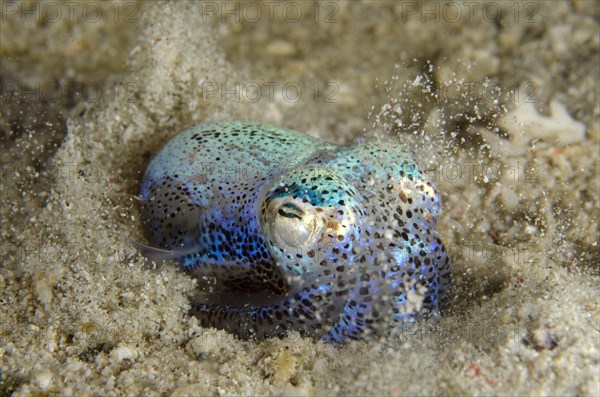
(499, 101)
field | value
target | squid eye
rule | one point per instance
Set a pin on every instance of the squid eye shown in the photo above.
(290, 210)
(293, 224)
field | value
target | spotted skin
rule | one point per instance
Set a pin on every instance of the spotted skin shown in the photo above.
(335, 238)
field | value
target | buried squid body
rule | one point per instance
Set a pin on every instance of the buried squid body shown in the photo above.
(331, 241)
